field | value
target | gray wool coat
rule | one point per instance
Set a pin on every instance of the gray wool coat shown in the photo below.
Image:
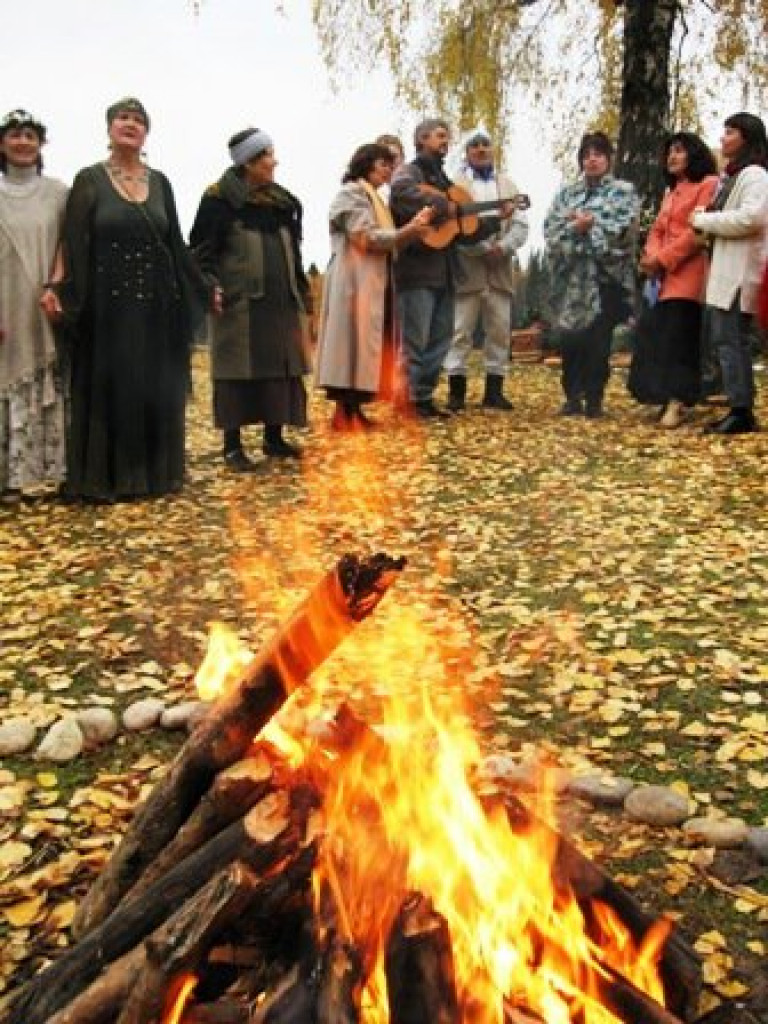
(249, 264)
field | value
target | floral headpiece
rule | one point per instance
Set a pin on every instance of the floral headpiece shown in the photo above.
(22, 119)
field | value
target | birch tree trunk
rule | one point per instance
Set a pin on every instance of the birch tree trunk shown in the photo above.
(648, 30)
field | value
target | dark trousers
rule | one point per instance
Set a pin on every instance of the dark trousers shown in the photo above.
(586, 353)
(730, 337)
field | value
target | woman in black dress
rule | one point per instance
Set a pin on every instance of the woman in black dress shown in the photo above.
(247, 237)
(132, 302)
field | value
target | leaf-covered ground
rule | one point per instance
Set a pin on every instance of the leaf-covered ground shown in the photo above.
(598, 589)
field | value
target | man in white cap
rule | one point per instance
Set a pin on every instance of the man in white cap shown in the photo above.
(485, 281)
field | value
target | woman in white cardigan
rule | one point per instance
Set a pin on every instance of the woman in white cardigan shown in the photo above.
(736, 224)
(357, 314)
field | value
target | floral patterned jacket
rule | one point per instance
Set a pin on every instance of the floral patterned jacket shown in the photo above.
(606, 253)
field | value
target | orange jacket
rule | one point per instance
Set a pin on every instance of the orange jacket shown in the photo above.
(673, 243)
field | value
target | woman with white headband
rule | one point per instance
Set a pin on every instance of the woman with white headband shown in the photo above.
(247, 238)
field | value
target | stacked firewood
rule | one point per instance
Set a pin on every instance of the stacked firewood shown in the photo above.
(212, 884)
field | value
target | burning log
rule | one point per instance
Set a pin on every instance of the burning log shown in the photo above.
(324, 988)
(233, 793)
(421, 986)
(228, 1012)
(186, 936)
(628, 1003)
(342, 599)
(680, 966)
(338, 996)
(268, 833)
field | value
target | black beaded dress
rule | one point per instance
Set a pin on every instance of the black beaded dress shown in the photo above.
(131, 324)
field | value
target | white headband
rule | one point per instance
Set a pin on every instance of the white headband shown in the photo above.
(256, 143)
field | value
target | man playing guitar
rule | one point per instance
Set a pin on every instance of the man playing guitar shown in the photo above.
(425, 277)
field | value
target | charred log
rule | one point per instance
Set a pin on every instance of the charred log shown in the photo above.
(629, 1004)
(185, 937)
(269, 833)
(343, 598)
(233, 793)
(680, 967)
(421, 985)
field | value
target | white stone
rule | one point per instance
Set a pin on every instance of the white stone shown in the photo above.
(63, 742)
(657, 805)
(144, 714)
(757, 842)
(98, 725)
(16, 736)
(722, 833)
(601, 789)
(529, 774)
(178, 716)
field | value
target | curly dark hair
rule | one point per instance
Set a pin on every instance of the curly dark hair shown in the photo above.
(701, 161)
(364, 159)
(21, 119)
(755, 148)
(598, 141)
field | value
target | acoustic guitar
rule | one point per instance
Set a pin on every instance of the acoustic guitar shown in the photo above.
(465, 221)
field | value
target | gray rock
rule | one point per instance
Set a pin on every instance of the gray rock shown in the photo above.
(178, 716)
(144, 714)
(16, 736)
(757, 842)
(722, 833)
(601, 789)
(98, 725)
(63, 742)
(657, 805)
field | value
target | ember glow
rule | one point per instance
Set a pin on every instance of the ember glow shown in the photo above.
(179, 993)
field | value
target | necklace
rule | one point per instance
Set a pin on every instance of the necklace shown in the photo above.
(133, 186)
(119, 174)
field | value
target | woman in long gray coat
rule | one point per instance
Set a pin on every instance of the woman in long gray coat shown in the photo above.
(247, 238)
(357, 317)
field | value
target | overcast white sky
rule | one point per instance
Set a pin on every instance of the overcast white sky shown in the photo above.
(202, 78)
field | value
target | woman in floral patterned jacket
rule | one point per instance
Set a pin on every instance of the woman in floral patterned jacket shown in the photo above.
(590, 235)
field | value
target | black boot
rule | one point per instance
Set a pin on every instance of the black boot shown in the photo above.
(457, 392)
(234, 457)
(494, 394)
(276, 447)
(739, 420)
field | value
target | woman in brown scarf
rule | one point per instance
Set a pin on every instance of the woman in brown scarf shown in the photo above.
(358, 326)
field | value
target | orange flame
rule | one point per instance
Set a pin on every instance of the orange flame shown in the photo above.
(402, 811)
(224, 660)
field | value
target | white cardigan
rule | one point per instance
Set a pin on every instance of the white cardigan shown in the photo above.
(740, 232)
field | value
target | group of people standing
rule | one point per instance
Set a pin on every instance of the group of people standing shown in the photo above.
(99, 301)
(445, 287)
(704, 262)
(100, 297)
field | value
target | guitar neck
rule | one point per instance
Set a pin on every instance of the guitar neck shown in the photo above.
(486, 204)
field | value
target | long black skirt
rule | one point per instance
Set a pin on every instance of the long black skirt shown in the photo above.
(666, 363)
(277, 402)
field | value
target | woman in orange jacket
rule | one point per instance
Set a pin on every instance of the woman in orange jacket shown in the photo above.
(666, 368)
